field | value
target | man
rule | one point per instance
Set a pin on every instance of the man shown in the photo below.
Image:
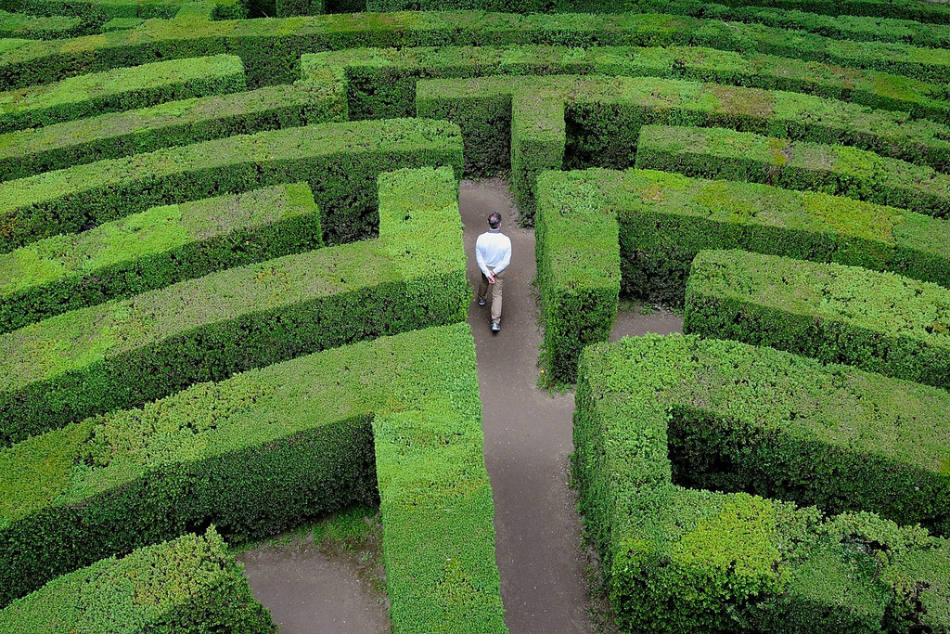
(493, 255)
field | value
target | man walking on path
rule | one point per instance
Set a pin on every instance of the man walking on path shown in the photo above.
(493, 255)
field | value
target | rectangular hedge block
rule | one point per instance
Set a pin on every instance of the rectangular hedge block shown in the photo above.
(381, 82)
(880, 322)
(119, 89)
(271, 49)
(832, 169)
(39, 27)
(654, 408)
(153, 249)
(127, 352)
(271, 448)
(602, 118)
(62, 145)
(190, 584)
(340, 161)
(663, 220)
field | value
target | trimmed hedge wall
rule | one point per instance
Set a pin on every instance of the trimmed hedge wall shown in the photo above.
(381, 82)
(127, 352)
(59, 146)
(664, 219)
(832, 169)
(271, 48)
(268, 449)
(120, 89)
(679, 560)
(340, 161)
(38, 27)
(597, 120)
(154, 249)
(97, 12)
(838, 314)
(190, 584)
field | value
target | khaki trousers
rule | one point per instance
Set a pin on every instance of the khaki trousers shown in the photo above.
(496, 290)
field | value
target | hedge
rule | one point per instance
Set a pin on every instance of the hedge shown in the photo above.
(97, 12)
(154, 249)
(120, 89)
(62, 145)
(271, 48)
(642, 230)
(126, 352)
(587, 121)
(119, 24)
(381, 82)
(679, 559)
(269, 449)
(190, 584)
(340, 161)
(832, 169)
(38, 27)
(880, 322)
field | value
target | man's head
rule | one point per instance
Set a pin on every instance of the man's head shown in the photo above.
(494, 220)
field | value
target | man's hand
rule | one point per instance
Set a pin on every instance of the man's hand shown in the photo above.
(491, 277)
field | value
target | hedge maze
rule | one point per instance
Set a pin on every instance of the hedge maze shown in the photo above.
(233, 298)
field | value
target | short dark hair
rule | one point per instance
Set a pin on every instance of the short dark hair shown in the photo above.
(494, 220)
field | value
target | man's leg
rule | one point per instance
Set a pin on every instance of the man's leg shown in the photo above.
(496, 290)
(482, 288)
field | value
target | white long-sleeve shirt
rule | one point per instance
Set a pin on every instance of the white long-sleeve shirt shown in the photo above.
(493, 251)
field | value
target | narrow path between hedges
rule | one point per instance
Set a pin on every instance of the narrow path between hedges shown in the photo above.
(528, 436)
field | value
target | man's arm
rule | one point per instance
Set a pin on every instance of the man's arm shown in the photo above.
(480, 258)
(505, 259)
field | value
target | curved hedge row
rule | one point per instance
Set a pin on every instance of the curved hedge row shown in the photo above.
(96, 12)
(340, 161)
(154, 249)
(577, 121)
(120, 89)
(36, 27)
(680, 560)
(271, 48)
(190, 584)
(880, 322)
(59, 146)
(600, 232)
(832, 169)
(381, 82)
(127, 352)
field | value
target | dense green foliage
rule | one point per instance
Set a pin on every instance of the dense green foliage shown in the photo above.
(119, 89)
(271, 49)
(381, 83)
(833, 169)
(578, 121)
(127, 352)
(37, 150)
(340, 161)
(665, 219)
(838, 314)
(154, 249)
(679, 560)
(189, 585)
(97, 12)
(272, 448)
(38, 27)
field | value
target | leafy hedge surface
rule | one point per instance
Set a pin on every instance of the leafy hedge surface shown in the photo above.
(679, 560)
(340, 161)
(127, 352)
(38, 27)
(190, 584)
(381, 82)
(37, 150)
(96, 12)
(833, 169)
(154, 249)
(270, 448)
(120, 89)
(662, 220)
(597, 121)
(271, 49)
(838, 314)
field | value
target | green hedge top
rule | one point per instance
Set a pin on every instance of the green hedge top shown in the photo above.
(119, 89)
(388, 75)
(271, 48)
(96, 12)
(190, 584)
(38, 27)
(833, 169)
